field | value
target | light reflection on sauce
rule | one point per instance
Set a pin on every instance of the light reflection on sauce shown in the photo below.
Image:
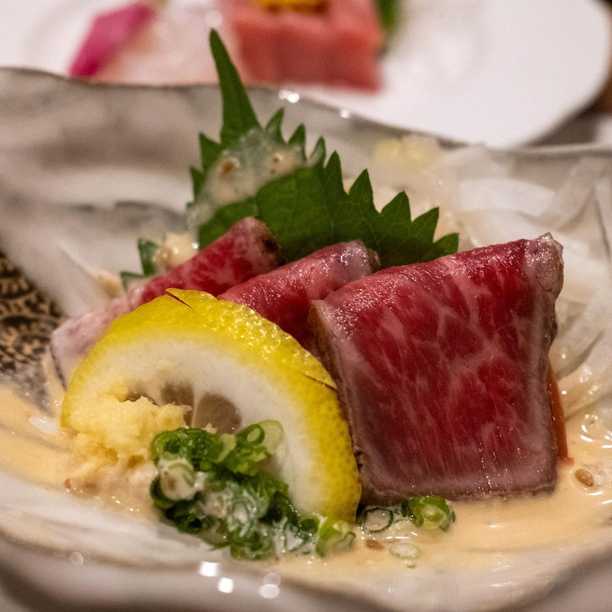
(485, 532)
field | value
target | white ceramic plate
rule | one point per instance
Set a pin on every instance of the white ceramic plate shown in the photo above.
(492, 71)
(64, 144)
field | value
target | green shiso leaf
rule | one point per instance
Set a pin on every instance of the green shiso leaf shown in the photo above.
(147, 250)
(447, 245)
(197, 181)
(224, 218)
(309, 208)
(238, 114)
(209, 151)
(275, 125)
(298, 137)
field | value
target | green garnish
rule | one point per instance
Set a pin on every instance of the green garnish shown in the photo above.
(426, 512)
(238, 114)
(308, 207)
(429, 512)
(334, 536)
(388, 15)
(214, 486)
(147, 250)
(375, 519)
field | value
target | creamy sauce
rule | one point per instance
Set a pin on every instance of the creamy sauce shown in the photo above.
(34, 448)
(175, 250)
(31, 444)
(487, 531)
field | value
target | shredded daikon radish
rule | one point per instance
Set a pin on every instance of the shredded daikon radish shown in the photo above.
(575, 193)
(502, 193)
(575, 338)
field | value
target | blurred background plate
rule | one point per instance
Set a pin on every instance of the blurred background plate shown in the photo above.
(503, 73)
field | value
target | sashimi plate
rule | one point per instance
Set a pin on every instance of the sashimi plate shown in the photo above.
(84, 171)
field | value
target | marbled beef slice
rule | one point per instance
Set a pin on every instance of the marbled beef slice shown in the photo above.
(442, 369)
(284, 295)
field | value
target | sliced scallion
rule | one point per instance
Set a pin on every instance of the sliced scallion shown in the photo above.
(429, 512)
(213, 485)
(376, 519)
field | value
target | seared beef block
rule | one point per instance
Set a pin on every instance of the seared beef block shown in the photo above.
(442, 369)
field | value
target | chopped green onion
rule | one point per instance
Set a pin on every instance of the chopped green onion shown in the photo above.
(392, 523)
(159, 499)
(177, 479)
(252, 435)
(429, 512)
(229, 444)
(334, 536)
(376, 519)
(212, 485)
(273, 435)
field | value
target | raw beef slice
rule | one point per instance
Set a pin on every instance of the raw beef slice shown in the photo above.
(283, 296)
(442, 369)
(245, 250)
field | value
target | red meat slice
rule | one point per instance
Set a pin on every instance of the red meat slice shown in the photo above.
(338, 45)
(109, 33)
(283, 296)
(246, 250)
(442, 368)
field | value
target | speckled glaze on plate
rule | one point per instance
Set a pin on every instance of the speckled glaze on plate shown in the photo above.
(83, 170)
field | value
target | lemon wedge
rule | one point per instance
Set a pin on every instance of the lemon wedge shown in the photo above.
(201, 347)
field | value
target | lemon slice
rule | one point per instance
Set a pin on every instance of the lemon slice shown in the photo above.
(210, 348)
